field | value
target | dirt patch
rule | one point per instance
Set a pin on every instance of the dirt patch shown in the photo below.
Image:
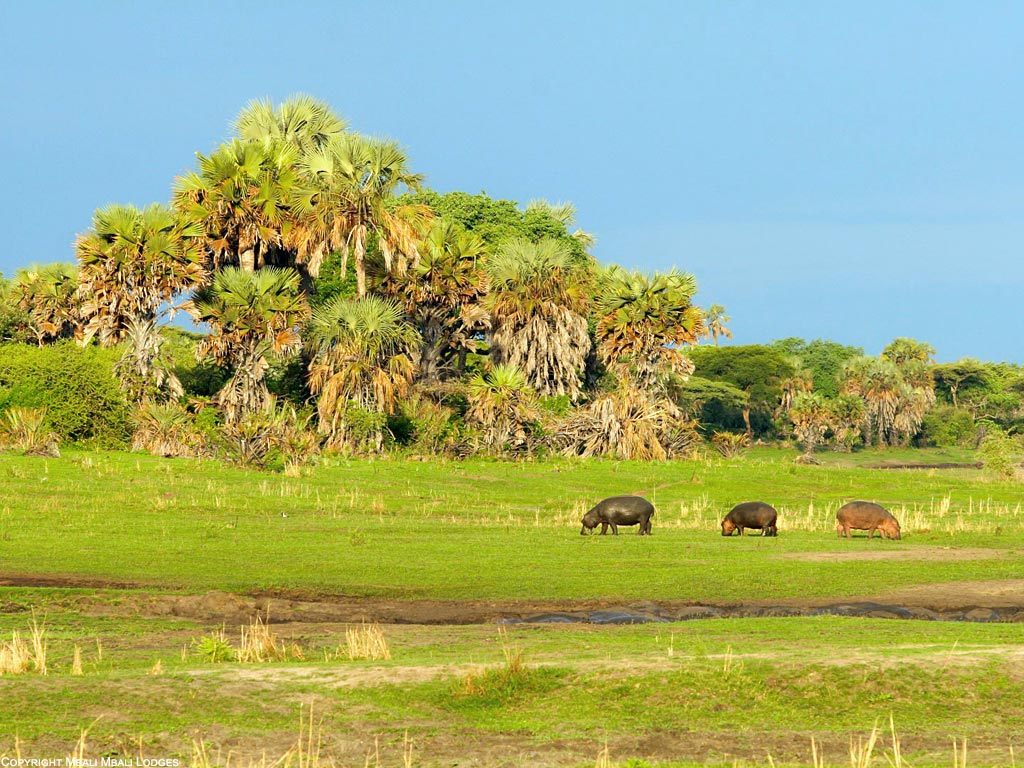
(903, 553)
(999, 594)
(1001, 600)
(915, 465)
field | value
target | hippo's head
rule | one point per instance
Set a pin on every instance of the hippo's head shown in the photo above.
(728, 526)
(891, 528)
(590, 522)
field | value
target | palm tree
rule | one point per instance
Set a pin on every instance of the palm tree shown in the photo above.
(538, 298)
(253, 315)
(356, 179)
(362, 353)
(879, 384)
(441, 295)
(904, 350)
(714, 321)
(642, 323)
(49, 294)
(504, 405)
(811, 416)
(131, 262)
(15, 322)
(251, 201)
(301, 121)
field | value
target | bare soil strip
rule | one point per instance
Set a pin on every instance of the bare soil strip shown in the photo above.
(998, 600)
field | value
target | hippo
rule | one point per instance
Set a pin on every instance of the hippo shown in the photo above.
(866, 516)
(619, 510)
(751, 514)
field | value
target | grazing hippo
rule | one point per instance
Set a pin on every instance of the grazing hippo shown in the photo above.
(619, 510)
(865, 516)
(751, 514)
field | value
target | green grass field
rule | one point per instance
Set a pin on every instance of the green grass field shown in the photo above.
(148, 535)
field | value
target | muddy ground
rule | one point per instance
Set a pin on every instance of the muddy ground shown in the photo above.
(997, 600)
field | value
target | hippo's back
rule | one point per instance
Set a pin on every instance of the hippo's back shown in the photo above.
(636, 505)
(862, 513)
(757, 511)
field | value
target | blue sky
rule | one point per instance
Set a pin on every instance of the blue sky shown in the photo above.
(851, 171)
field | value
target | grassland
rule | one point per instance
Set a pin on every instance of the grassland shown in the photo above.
(147, 535)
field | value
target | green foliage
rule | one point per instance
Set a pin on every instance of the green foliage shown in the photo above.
(501, 686)
(945, 426)
(76, 386)
(333, 281)
(214, 648)
(14, 320)
(824, 359)
(696, 392)
(903, 350)
(756, 370)
(1001, 452)
(499, 221)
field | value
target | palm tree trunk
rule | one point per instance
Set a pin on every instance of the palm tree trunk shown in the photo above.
(247, 260)
(360, 264)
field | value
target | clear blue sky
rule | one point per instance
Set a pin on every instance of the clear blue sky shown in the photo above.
(851, 171)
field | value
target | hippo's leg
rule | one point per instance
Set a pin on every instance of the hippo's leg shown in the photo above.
(740, 529)
(615, 529)
(604, 528)
(871, 533)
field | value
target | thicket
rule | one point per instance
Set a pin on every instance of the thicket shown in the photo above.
(76, 386)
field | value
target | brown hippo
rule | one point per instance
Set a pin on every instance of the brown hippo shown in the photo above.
(619, 510)
(866, 516)
(751, 514)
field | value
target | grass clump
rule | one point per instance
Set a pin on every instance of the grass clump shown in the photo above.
(19, 656)
(367, 641)
(215, 647)
(501, 686)
(257, 645)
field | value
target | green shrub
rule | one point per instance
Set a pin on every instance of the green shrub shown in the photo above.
(945, 426)
(76, 386)
(1001, 452)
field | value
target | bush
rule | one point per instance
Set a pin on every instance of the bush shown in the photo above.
(945, 426)
(76, 386)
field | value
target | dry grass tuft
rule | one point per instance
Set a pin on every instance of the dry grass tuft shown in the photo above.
(367, 641)
(15, 657)
(862, 753)
(76, 662)
(19, 656)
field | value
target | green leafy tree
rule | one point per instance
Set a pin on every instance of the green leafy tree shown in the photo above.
(823, 359)
(966, 373)
(498, 222)
(756, 370)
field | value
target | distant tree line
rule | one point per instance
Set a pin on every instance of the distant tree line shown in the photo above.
(347, 308)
